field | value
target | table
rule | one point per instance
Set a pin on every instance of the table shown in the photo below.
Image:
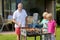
(33, 34)
(36, 34)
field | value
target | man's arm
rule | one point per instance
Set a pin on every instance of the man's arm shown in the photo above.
(16, 22)
(14, 19)
(26, 21)
(26, 17)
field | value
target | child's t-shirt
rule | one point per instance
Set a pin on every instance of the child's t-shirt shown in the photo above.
(51, 26)
(44, 22)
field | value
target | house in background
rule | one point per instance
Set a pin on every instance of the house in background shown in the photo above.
(31, 6)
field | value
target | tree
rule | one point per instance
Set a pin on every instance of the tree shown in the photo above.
(58, 1)
(57, 5)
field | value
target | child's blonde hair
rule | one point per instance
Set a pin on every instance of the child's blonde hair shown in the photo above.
(49, 15)
(44, 14)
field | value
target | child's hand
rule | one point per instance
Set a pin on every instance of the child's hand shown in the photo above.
(54, 34)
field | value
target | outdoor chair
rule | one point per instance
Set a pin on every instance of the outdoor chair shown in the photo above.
(3, 23)
(32, 21)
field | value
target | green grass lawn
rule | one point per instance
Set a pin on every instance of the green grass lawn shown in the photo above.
(13, 37)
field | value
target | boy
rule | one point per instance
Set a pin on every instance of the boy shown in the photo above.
(44, 22)
(44, 29)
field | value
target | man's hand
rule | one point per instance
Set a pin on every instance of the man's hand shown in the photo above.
(19, 24)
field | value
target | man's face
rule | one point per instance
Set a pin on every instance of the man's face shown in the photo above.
(19, 6)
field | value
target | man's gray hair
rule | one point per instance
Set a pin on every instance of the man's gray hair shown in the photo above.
(20, 4)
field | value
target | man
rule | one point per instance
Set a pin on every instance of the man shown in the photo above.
(19, 18)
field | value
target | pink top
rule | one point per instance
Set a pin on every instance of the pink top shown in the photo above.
(51, 26)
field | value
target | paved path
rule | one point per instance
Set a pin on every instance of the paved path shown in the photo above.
(7, 32)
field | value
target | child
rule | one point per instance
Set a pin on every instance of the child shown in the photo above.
(44, 22)
(44, 29)
(51, 26)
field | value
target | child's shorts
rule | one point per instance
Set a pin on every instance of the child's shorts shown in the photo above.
(52, 37)
(17, 31)
(23, 32)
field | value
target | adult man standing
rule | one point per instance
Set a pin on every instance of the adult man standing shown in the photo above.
(19, 18)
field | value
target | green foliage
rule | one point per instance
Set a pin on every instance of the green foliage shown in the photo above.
(57, 7)
(58, 1)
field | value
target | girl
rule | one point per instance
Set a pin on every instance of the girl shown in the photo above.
(51, 26)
